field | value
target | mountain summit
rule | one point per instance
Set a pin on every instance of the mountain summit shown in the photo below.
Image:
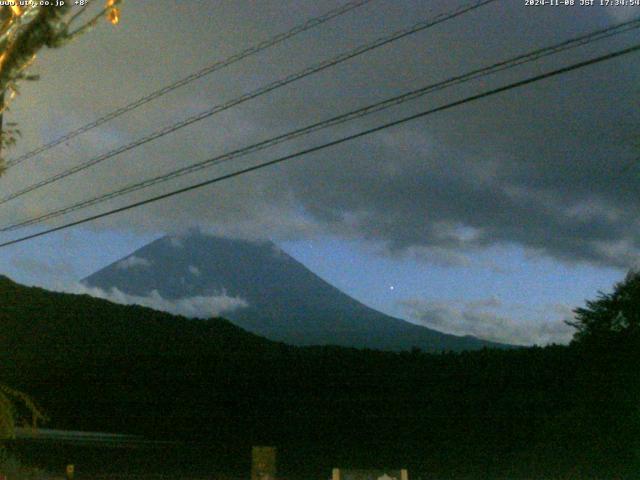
(260, 288)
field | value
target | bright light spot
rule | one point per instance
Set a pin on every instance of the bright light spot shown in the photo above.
(114, 12)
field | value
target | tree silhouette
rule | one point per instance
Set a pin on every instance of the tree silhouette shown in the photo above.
(608, 341)
(612, 317)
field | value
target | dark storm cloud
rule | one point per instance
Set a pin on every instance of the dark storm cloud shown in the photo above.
(541, 167)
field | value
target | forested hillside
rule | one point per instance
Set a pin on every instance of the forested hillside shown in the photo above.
(523, 413)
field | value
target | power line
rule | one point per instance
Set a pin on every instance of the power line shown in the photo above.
(337, 120)
(363, 133)
(264, 45)
(420, 26)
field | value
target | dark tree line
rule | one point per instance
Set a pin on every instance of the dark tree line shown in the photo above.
(552, 412)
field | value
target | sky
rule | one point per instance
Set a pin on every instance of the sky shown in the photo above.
(495, 218)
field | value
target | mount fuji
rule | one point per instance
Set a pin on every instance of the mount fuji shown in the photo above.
(261, 289)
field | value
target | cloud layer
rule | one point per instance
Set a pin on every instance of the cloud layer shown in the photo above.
(133, 262)
(191, 307)
(544, 167)
(479, 318)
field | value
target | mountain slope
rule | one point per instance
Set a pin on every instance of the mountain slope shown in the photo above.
(285, 301)
(44, 324)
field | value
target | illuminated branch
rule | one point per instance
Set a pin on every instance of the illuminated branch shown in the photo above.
(10, 400)
(26, 30)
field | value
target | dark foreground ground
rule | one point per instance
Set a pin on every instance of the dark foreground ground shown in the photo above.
(558, 412)
(193, 461)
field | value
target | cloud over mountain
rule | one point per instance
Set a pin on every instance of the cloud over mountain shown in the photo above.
(260, 288)
(132, 262)
(192, 307)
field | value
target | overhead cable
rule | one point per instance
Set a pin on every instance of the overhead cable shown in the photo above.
(275, 40)
(244, 98)
(339, 119)
(333, 143)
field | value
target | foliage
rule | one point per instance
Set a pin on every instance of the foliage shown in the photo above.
(12, 402)
(612, 317)
(24, 31)
(13, 405)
